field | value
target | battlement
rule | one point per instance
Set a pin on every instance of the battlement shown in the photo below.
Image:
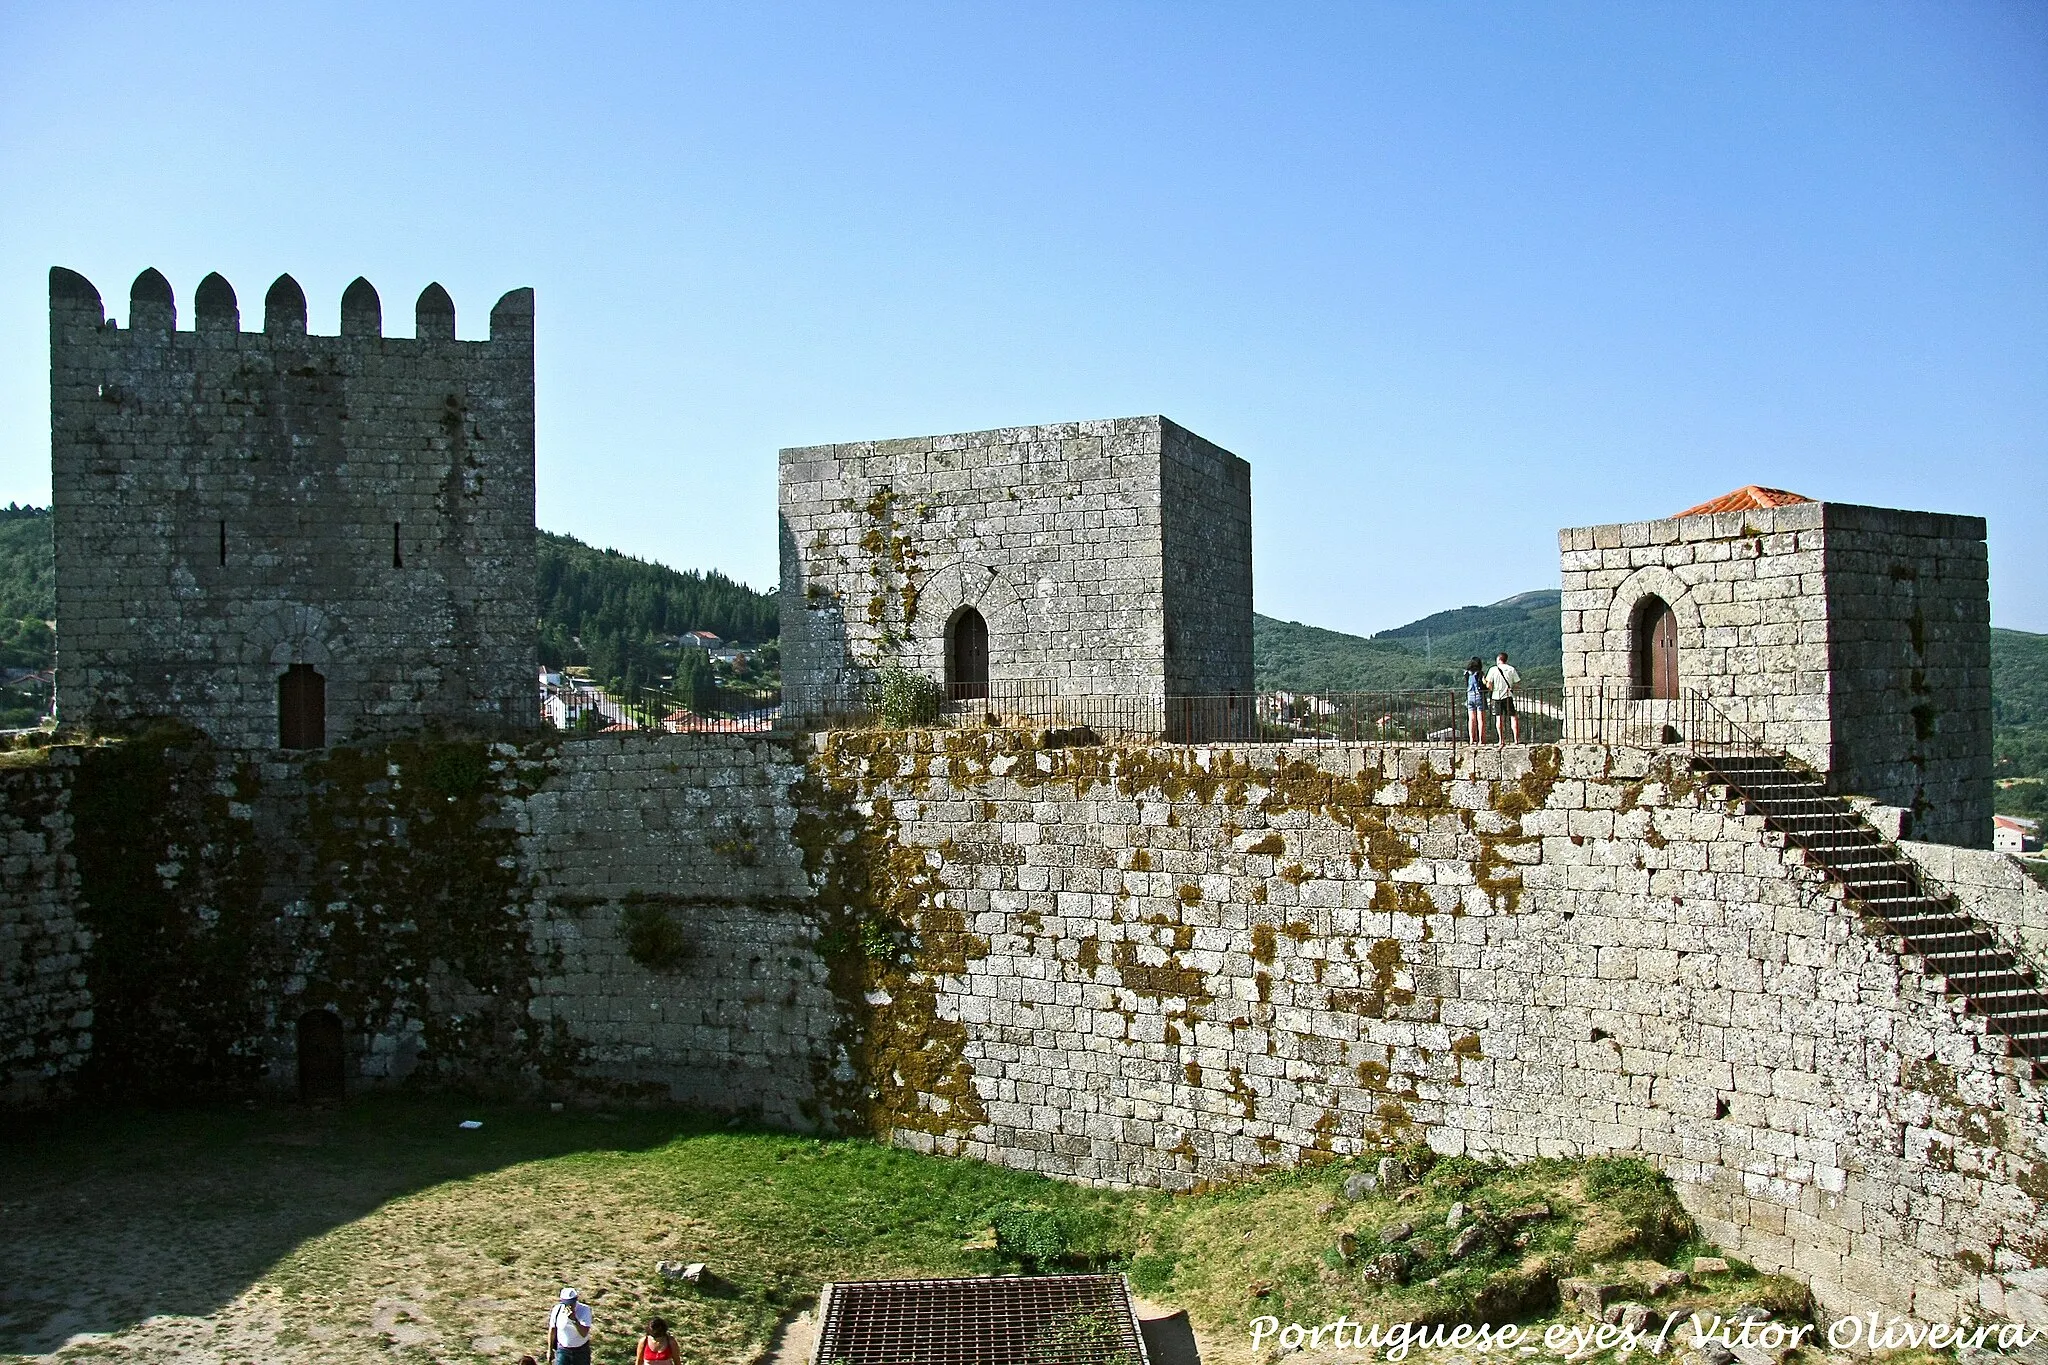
(153, 311)
(290, 539)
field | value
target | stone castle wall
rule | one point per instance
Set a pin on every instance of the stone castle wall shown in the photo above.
(1147, 964)
(229, 503)
(45, 1005)
(1169, 965)
(689, 839)
(1066, 538)
(1993, 888)
(1856, 639)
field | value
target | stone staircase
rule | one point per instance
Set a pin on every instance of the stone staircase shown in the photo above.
(1922, 918)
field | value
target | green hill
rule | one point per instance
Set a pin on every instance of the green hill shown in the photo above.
(1525, 625)
(28, 574)
(28, 603)
(598, 608)
(2019, 720)
(1287, 655)
(610, 612)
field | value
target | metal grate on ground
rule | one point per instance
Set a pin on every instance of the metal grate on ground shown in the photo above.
(1005, 1320)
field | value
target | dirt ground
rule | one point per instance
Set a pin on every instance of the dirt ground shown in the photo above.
(175, 1241)
(385, 1232)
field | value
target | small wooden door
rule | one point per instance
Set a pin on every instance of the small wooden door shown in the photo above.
(1656, 649)
(301, 708)
(323, 1063)
(967, 656)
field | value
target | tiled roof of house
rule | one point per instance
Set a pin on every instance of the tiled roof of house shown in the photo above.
(1750, 499)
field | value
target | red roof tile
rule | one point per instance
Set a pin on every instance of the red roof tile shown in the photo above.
(1750, 499)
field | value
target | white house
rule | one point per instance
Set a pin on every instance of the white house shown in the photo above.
(2012, 834)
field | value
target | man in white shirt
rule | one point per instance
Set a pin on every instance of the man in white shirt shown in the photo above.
(1501, 680)
(569, 1330)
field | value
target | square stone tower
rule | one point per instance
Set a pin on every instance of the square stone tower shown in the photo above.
(291, 540)
(1094, 558)
(1857, 639)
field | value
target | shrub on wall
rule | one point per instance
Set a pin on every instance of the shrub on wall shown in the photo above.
(904, 698)
(653, 937)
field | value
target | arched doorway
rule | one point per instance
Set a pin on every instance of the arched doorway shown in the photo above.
(323, 1063)
(967, 656)
(301, 708)
(1653, 640)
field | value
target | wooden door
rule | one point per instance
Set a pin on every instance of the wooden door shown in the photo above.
(1656, 649)
(1664, 655)
(301, 708)
(967, 656)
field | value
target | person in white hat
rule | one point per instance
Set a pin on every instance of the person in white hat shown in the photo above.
(569, 1330)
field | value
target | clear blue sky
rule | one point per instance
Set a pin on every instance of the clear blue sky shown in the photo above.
(1450, 277)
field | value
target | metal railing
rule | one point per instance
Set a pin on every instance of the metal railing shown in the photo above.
(1626, 715)
(582, 708)
(1615, 714)
(1795, 800)
(1427, 716)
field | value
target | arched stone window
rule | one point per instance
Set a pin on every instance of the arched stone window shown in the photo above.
(301, 708)
(323, 1062)
(1653, 649)
(967, 656)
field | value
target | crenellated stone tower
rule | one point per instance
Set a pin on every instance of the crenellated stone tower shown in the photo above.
(286, 539)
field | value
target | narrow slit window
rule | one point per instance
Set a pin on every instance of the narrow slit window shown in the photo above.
(397, 552)
(223, 545)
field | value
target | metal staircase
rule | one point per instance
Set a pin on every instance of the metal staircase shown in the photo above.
(1922, 918)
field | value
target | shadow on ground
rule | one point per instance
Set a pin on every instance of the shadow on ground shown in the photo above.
(108, 1219)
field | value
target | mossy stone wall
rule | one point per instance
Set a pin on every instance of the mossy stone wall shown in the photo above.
(1169, 965)
(1142, 964)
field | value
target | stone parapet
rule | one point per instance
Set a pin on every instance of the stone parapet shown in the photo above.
(1994, 889)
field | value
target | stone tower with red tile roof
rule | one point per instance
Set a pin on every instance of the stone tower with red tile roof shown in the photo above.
(1856, 639)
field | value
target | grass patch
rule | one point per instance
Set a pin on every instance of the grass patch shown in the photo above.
(382, 1230)
(1292, 1246)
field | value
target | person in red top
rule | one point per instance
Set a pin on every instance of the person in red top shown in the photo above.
(657, 1347)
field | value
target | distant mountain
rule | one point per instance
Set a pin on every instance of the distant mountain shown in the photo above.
(1525, 625)
(28, 566)
(1426, 653)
